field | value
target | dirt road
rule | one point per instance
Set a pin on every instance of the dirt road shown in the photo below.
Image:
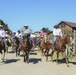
(38, 66)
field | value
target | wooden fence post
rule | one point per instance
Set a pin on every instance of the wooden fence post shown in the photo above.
(74, 43)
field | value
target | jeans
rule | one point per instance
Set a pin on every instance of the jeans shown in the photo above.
(54, 41)
(4, 40)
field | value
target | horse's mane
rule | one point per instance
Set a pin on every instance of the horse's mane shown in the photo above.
(27, 42)
(16, 40)
(61, 43)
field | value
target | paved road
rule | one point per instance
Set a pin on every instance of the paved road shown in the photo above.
(38, 66)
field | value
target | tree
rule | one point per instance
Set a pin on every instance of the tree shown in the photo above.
(47, 30)
(5, 26)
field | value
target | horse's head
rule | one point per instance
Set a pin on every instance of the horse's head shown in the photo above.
(45, 38)
(68, 39)
(16, 41)
(26, 43)
(61, 42)
(25, 38)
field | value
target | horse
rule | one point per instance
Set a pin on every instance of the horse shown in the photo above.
(2, 49)
(45, 46)
(16, 45)
(61, 47)
(26, 46)
(42, 46)
(8, 42)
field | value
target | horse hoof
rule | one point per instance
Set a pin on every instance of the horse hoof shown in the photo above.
(67, 65)
(3, 61)
(27, 61)
(24, 60)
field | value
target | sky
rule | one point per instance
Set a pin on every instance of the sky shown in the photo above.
(36, 13)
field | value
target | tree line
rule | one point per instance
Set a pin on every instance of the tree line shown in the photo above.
(5, 26)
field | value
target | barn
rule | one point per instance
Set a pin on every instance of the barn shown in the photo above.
(69, 28)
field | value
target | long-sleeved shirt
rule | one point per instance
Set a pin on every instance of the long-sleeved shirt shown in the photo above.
(2, 33)
(57, 32)
(19, 35)
(42, 33)
(27, 31)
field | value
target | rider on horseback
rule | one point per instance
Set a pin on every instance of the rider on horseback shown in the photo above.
(27, 33)
(3, 34)
(19, 36)
(57, 34)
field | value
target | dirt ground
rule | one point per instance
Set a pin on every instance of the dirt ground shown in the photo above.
(37, 66)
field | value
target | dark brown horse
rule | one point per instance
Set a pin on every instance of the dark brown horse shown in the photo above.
(2, 49)
(8, 43)
(61, 47)
(26, 46)
(16, 45)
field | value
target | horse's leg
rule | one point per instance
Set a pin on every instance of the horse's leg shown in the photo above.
(41, 52)
(47, 51)
(24, 57)
(27, 57)
(19, 51)
(57, 57)
(12, 47)
(16, 51)
(3, 55)
(66, 58)
(7, 49)
(52, 55)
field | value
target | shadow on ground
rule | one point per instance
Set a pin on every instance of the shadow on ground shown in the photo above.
(35, 60)
(11, 61)
(61, 61)
(12, 51)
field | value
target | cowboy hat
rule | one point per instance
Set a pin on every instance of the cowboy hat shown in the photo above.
(43, 28)
(25, 25)
(56, 26)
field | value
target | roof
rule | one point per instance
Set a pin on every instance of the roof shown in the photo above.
(71, 24)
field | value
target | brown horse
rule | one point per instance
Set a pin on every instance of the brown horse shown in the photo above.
(61, 47)
(2, 49)
(16, 45)
(8, 43)
(45, 46)
(26, 45)
(48, 46)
